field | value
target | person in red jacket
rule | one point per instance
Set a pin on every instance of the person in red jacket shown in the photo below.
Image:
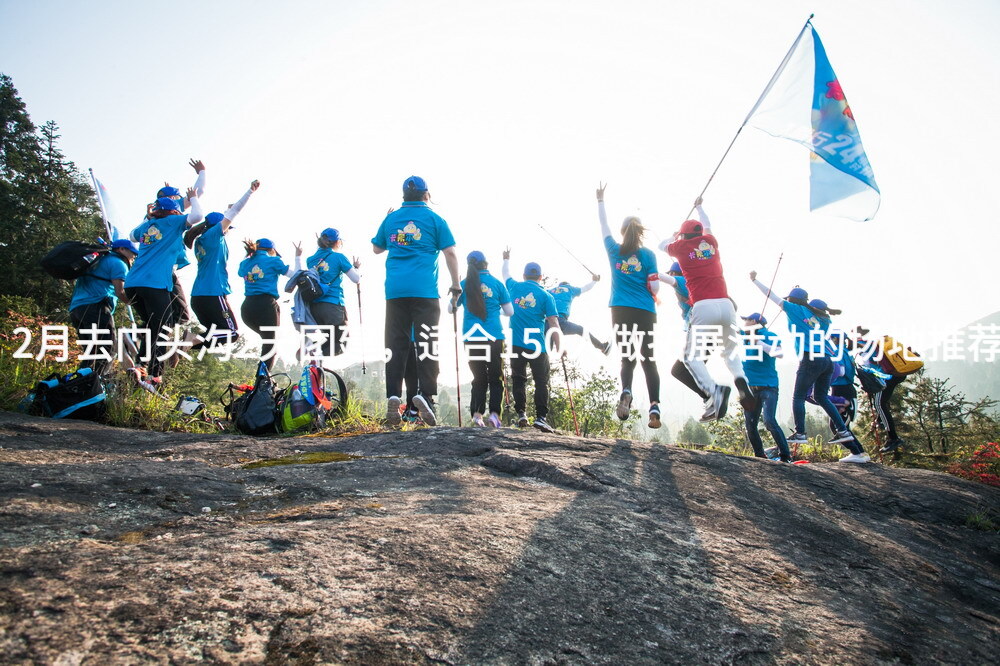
(713, 314)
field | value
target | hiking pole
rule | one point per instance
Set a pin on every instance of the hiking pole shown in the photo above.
(458, 381)
(572, 408)
(567, 250)
(767, 297)
(361, 328)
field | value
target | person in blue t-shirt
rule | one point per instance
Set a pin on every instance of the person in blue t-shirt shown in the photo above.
(761, 348)
(809, 321)
(842, 390)
(260, 272)
(634, 285)
(210, 292)
(330, 309)
(535, 314)
(565, 293)
(413, 236)
(484, 298)
(96, 293)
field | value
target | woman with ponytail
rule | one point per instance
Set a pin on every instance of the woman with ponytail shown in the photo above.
(484, 298)
(634, 285)
(331, 266)
(809, 322)
(260, 271)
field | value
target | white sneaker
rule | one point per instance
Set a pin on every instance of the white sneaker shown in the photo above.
(392, 414)
(424, 409)
(477, 421)
(797, 438)
(624, 405)
(841, 436)
(856, 458)
(709, 414)
(495, 421)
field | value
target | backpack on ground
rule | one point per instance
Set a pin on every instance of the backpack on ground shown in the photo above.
(320, 395)
(899, 360)
(253, 412)
(78, 395)
(72, 259)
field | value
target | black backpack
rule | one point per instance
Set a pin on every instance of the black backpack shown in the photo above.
(253, 412)
(72, 259)
(78, 395)
(310, 288)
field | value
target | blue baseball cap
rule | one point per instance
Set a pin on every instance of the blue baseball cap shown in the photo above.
(476, 256)
(757, 318)
(818, 304)
(168, 192)
(532, 270)
(675, 268)
(125, 243)
(414, 183)
(166, 203)
(265, 244)
(331, 234)
(213, 218)
(798, 293)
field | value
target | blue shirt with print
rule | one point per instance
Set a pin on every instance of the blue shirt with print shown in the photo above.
(564, 295)
(802, 322)
(758, 365)
(495, 295)
(95, 285)
(212, 253)
(413, 236)
(260, 273)
(161, 242)
(330, 266)
(628, 276)
(532, 304)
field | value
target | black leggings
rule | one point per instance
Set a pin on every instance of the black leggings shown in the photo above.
(629, 322)
(406, 317)
(486, 363)
(519, 363)
(215, 310)
(261, 310)
(331, 314)
(882, 401)
(96, 315)
(155, 310)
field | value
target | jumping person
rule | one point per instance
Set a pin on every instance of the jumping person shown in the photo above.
(413, 236)
(535, 314)
(484, 298)
(260, 272)
(210, 292)
(149, 284)
(809, 322)
(675, 278)
(763, 380)
(564, 294)
(97, 292)
(330, 309)
(634, 284)
(697, 253)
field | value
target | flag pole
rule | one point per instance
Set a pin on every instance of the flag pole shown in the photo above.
(767, 89)
(100, 202)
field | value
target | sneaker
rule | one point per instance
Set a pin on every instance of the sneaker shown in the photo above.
(606, 349)
(856, 458)
(392, 411)
(477, 421)
(522, 420)
(892, 446)
(654, 416)
(797, 438)
(709, 414)
(411, 416)
(494, 420)
(424, 409)
(717, 406)
(624, 405)
(771, 452)
(747, 399)
(842, 436)
(541, 424)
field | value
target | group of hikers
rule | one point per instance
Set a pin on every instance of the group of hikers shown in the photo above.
(141, 271)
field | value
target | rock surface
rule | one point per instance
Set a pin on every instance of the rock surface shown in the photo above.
(478, 546)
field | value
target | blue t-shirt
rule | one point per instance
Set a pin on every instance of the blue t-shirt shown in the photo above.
(413, 237)
(840, 355)
(330, 266)
(683, 295)
(801, 322)
(759, 366)
(212, 253)
(260, 273)
(90, 288)
(495, 295)
(532, 304)
(564, 295)
(628, 276)
(161, 241)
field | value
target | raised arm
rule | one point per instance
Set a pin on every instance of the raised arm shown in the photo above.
(196, 215)
(235, 209)
(706, 224)
(505, 271)
(601, 214)
(594, 279)
(767, 292)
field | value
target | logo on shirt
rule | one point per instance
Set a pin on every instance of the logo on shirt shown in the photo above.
(702, 252)
(487, 292)
(151, 235)
(407, 235)
(630, 265)
(322, 267)
(559, 290)
(255, 274)
(526, 302)
(199, 250)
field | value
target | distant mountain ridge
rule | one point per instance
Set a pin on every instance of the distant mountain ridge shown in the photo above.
(976, 379)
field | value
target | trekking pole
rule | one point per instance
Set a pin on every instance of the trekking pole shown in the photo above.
(361, 328)
(567, 249)
(572, 408)
(767, 297)
(458, 381)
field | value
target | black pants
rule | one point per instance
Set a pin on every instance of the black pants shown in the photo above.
(519, 363)
(410, 379)
(95, 315)
(331, 314)
(486, 363)
(261, 310)
(634, 337)
(569, 328)
(882, 401)
(405, 317)
(155, 310)
(215, 311)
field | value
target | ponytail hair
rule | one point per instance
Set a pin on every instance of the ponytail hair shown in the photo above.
(632, 236)
(474, 301)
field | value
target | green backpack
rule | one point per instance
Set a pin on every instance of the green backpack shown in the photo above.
(320, 395)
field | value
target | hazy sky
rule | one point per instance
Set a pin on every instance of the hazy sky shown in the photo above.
(513, 111)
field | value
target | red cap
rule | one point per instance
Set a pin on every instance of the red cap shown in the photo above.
(691, 227)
